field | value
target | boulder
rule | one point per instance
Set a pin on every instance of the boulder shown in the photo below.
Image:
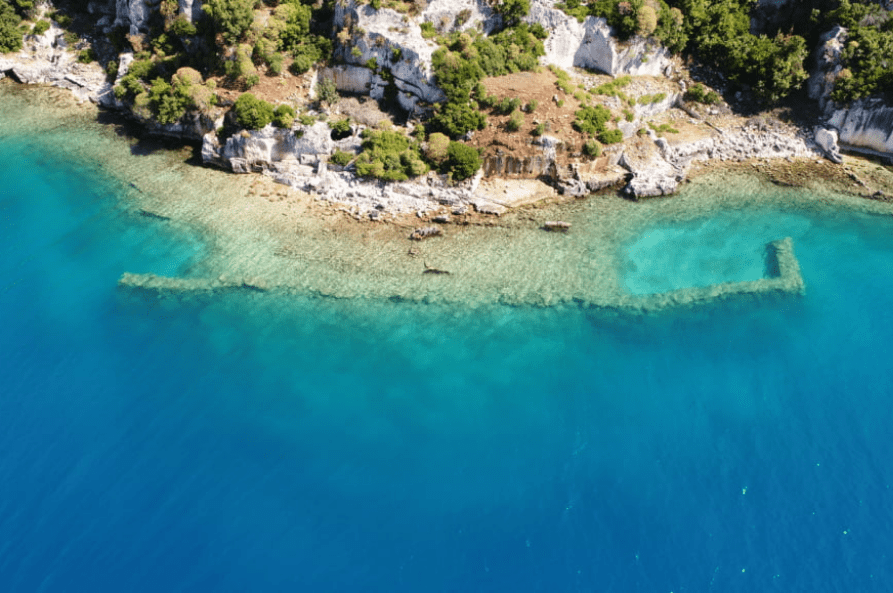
(827, 141)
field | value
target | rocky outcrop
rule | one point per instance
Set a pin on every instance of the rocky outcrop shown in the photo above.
(299, 158)
(389, 45)
(591, 45)
(827, 67)
(47, 59)
(652, 173)
(658, 171)
(398, 52)
(827, 140)
(867, 125)
(270, 148)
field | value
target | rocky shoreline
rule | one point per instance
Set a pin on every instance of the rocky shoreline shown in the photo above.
(642, 166)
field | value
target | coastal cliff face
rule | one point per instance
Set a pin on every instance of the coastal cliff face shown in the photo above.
(394, 44)
(133, 15)
(48, 59)
(867, 124)
(592, 45)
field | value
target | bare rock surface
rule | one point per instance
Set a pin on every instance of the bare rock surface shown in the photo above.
(867, 124)
(47, 59)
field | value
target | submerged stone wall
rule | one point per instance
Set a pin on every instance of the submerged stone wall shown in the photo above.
(783, 277)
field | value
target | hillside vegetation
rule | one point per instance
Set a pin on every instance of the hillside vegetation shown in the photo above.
(183, 67)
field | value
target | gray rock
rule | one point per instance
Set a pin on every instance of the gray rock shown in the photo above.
(827, 141)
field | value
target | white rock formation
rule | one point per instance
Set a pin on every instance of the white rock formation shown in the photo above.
(591, 45)
(659, 172)
(395, 46)
(827, 140)
(46, 59)
(867, 124)
(827, 66)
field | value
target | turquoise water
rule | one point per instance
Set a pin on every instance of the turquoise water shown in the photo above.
(249, 441)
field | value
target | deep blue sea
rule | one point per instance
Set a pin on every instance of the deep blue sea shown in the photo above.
(266, 442)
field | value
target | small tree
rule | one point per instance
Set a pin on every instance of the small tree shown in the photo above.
(10, 35)
(283, 116)
(463, 160)
(437, 147)
(253, 113)
(232, 18)
(326, 91)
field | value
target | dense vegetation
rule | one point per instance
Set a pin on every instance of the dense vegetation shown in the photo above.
(868, 52)
(10, 35)
(717, 31)
(466, 58)
(389, 155)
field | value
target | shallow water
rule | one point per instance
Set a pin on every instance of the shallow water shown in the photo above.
(248, 441)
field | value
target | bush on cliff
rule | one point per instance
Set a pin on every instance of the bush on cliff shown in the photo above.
(592, 120)
(866, 57)
(463, 161)
(389, 155)
(283, 116)
(10, 35)
(252, 113)
(465, 59)
(232, 18)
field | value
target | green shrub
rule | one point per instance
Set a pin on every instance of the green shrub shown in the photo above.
(428, 30)
(388, 155)
(436, 150)
(296, 29)
(532, 105)
(300, 64)
(456, 119)
(340, 157)
(647, 99)
(274, 64)
(592, 120)
(592, 149)
(463, 161)
(283, 116)
(508, 105)
(326, 91)
(610, 136)
(85, 56)
(10, 34)
(515, 122)
(111, 69)
(540, 129)
(612, 89)
(663, 129)
(628, 115)
(340, 129)
(40, 27)
(181, 27)
(306, 120)
(252, 113)
(699, 94)
(232, 18)
(513, 11)
(141, 69)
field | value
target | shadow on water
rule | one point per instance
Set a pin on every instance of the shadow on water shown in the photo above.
(145, 143)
